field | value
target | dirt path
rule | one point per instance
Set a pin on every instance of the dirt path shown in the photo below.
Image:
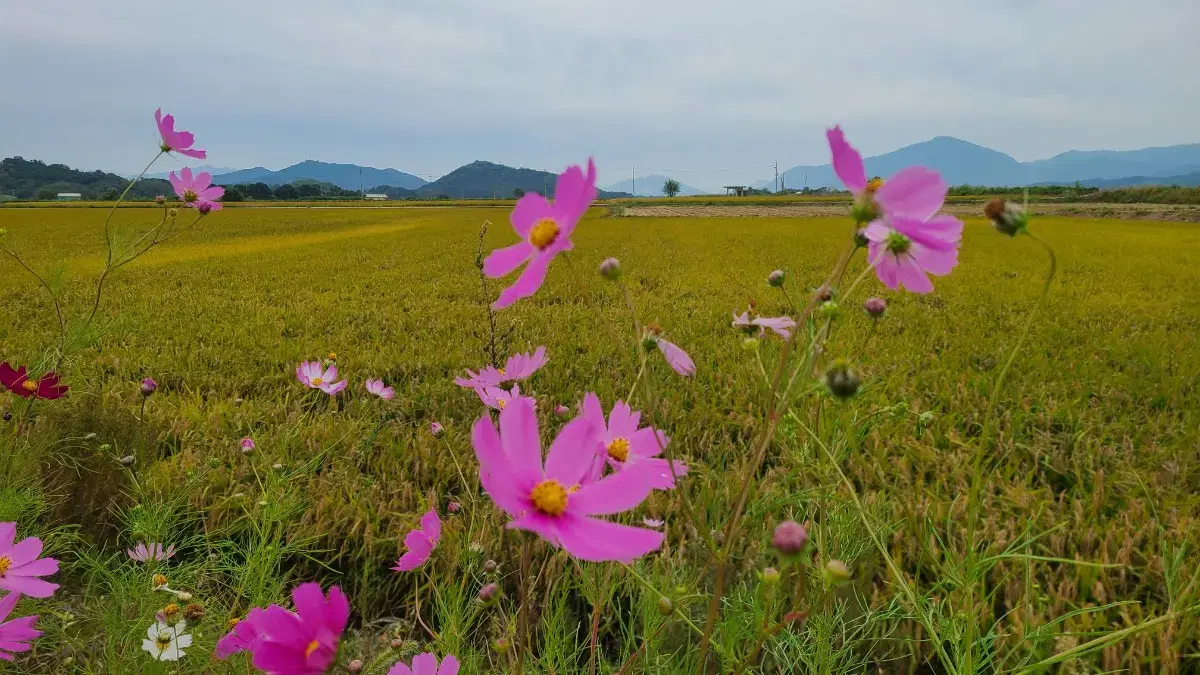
(1170, 212)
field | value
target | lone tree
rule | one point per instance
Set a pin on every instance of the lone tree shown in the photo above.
(670, 187)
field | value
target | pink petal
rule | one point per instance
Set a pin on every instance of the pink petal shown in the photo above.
(418, 552)
(623, 421)
(915, 192)
(431, 525)
(425, 664)
(185, 175)
(176, 183)
(601, 541)
(26, 550)
(502, 261)
(211, 193)
(449, 666)
(36, 568)
(934, 261)
(572, 452)
(530, 208)
(540, 524)
(659, 471)
(337, 610)
(33, 587)
(877, 231)
(911, 275)
(519, 438)
(309, 601)
(528, 283)
(494, 472)
(399, 669)
(678, 359)
(191, 152)
(643, 443)
(573, 193)
(886, 266)
(847, 162)
(939, 232)
(614, 493)
(182, 139)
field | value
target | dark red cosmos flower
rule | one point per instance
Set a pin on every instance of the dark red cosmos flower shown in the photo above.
(20, 384)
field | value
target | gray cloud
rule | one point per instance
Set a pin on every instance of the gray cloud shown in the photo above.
(698, 85)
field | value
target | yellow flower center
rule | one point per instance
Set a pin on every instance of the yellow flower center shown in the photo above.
(333, 356)
(874, 184)
(159, 580)
(163, 641)
(549, 497)
(29, 385)
(312, 647)
(500, 403)
(619, 449)
(5, 564)
(316, 381)
(190, 196)
(544, 232)
(501, 371)
(170, 611)
(232, 623)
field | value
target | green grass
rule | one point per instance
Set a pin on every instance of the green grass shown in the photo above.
(1093, 453)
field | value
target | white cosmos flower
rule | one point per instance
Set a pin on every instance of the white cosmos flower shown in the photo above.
(166, 643)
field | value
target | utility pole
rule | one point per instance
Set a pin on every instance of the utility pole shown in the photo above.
(776, 177)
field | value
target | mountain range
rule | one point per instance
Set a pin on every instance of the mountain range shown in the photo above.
(345, 176)
(485, 180)
(651, 186)
(963, 163)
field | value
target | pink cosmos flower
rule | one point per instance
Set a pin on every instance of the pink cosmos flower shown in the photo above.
(244, 637)
(304, 641)
(376, 387)
(622, 444)
(20, 566)
(517, 367)
(16, 634)
(176, 141)
(420, 543)
(551, 499)
(678, 359)
(144, 553)
(497, 399)
(316, 376)
(198, 191)
(546, 229)
(781, 325)
(906, 238)
(247, 444)
(426, 664)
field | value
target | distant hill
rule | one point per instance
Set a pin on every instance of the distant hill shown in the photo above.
(964, 163)
(345, 176)
(487, 180)
(651, 186)
(1182, 180)
(214, 170)
(33, 179)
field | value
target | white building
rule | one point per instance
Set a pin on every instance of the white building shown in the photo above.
(375, 197)
(69, 196)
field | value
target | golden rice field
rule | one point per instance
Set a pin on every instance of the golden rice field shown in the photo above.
(1089, 508)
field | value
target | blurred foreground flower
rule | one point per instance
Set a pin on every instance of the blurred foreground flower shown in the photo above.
(18, 382)
(780, 325)
(622, 444)
(144, 553)
(420, 543)
(196, 191)
(166, 643)
(377, 388)
(20, 565)
(427, 664)
(551, 500)
(304, 641)
(517, 367)
(15, 634)
(314, 376)
(546, 229)
(176, 141)
(1007, 217)
(243, 635)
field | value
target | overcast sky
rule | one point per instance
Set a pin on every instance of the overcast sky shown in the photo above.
(699, 85)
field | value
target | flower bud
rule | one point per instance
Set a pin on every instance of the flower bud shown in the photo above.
(1007, 217)
(7, 416)
(824, 294)
(204, 209)
(453, 507)
(355, 666)
(610, 268)
(665, 606)
(396, 643)
(148, 386)
(172, 212)
(750, 344)
(776, 278)
(840, 379)
(436, 429)
(770, 576)
(127, 460)
(160, 199)
(501, 645)
(561, 410)
(91, 437)
(649, 342)
(277, 466)
(171, 612)
(860, 238)
(836, 573)
(875, 307)
(489, 593)
(789, 538)
(490, 566)
(184, 596)
(247, 445)
(830, 309)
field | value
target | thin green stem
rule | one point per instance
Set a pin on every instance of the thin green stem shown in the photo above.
(675, 609)
(107, 220)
